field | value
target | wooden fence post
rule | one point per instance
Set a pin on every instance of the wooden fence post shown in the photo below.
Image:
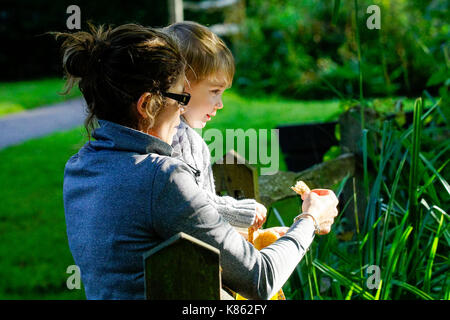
(176, 11)
(351, 141)
(236, 177)
(182, 268)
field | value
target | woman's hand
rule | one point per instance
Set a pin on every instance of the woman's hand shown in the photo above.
(322, 205)
(260, 217)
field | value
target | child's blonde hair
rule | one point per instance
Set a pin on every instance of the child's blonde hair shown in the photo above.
(205, 53)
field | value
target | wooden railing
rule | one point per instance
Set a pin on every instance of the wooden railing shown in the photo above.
(182, 268)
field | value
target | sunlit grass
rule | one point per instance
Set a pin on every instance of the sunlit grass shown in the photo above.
(34, 251)
(26, 95)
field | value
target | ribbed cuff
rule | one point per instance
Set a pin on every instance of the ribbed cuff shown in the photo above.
(245, 212)
(239, 213)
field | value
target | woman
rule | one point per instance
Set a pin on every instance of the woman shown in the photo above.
(124, 193)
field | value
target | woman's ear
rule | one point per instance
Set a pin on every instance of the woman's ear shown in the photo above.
(187, 85)
(141, 104)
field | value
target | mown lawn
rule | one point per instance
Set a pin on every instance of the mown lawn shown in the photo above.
(26, 95)
(34, 252)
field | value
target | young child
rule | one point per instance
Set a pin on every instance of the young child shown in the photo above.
(209, 73)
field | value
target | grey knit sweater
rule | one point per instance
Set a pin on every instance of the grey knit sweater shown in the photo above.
(190, 148)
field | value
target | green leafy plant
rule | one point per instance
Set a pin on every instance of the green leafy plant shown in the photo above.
(302, 49)
(405, 230)
(411, 250)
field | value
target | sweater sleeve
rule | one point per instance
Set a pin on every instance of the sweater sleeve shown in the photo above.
(239, 213)
(179, 205)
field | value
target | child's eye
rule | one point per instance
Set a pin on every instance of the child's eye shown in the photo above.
(216, 92)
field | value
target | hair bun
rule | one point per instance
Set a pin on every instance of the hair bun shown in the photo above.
(98, 51)
(76, 62)
(83, 52)
(77, 49)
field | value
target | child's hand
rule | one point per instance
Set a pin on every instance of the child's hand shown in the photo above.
(260, 216)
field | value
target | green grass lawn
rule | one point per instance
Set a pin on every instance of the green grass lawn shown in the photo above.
(268, 112)
(25, 95)
(34, 251)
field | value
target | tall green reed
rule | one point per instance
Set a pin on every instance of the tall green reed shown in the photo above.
(405, 231)
(412, 252)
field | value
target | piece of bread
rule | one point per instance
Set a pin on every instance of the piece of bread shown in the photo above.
(264, 238)
(300, 188)
(261, 239)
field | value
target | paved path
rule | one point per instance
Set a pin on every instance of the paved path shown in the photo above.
(19, 127)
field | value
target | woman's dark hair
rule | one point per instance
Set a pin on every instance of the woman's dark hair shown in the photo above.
(115, 66)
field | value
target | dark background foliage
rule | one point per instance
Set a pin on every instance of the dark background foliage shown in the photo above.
(27, 52)
(299, 49)
(293, 48)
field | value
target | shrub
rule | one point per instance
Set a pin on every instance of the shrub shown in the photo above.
(293, 48)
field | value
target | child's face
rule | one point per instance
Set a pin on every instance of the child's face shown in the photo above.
(206, 99)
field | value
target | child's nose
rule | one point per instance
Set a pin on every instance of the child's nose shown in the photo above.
(219, 105)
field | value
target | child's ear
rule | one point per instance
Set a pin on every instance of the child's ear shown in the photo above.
(142, 104)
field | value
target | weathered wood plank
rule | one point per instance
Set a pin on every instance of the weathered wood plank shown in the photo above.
(236, 177)
(324, 175)
(351, 141)
(182, 268)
